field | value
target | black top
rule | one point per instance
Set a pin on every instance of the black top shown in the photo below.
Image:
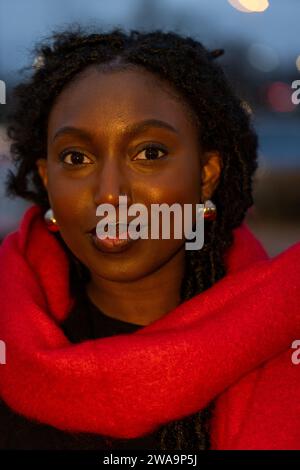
(84, 322)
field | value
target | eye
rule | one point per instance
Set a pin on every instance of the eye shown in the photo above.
(151, 152)
(75, 158)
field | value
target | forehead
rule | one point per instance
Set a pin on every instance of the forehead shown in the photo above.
(107, 100)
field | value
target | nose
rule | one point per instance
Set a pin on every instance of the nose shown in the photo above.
(111, 183)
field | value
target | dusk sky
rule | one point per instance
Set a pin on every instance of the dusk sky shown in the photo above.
(22, 23)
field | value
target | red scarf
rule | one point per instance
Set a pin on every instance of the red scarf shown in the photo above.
(127, 385)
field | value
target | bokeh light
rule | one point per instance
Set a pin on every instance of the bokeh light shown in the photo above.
(263, 57)
(250, 6)
(278, 95)
(298, 63)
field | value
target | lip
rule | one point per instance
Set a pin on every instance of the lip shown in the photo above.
(111, 244)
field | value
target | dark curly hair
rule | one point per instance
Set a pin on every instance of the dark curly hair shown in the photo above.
(223, 123)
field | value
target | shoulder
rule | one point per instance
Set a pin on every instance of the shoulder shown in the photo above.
(261, 411)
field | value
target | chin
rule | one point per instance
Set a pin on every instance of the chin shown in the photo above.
(119, 273)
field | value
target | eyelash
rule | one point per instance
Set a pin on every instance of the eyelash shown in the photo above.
(149, 146)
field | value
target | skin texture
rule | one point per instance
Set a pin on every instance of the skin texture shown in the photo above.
(141, 284)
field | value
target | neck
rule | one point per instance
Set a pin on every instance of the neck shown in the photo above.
(144, 300)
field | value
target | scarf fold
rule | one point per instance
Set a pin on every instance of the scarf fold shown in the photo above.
(128, 385)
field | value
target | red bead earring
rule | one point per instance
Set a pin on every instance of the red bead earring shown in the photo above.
(210, 210)
(50, 220)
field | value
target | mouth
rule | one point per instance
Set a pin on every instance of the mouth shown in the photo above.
(114, 241)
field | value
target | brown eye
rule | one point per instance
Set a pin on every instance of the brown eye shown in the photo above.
(151, 152)
(73, 158)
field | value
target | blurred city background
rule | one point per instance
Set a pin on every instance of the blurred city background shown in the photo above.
(262, 60)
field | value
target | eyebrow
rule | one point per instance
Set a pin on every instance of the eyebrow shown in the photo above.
(130, 130)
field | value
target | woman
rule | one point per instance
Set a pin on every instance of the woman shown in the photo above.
(140, 344)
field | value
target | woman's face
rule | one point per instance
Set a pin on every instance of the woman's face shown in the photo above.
(105, 119)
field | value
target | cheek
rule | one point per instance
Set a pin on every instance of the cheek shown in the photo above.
(69, 201)
(182, 189)
(182, 182)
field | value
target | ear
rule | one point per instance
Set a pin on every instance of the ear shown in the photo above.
(210, 174)
(41, 164)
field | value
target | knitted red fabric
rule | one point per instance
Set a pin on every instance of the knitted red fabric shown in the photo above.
(214, 345)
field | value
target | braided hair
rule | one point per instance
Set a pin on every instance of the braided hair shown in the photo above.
(223, 125)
